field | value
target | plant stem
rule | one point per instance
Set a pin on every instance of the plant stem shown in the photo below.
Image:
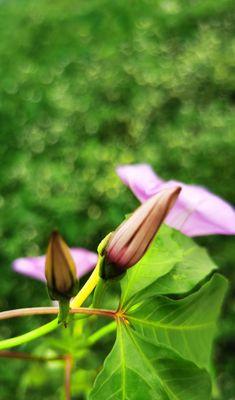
(67, 359)
(105, 330)
(87, 288)
(26, 356)
(23, 312)
(27, 337)
(44, 329)
(67, 379)
(49, 327)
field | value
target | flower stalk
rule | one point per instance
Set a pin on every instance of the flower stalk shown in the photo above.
(25, 312)
(94, 278)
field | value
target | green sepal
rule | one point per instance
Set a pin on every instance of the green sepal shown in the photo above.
(107, 270)
(103, 244)
(55, 295)
(110, 271)
(64, 300)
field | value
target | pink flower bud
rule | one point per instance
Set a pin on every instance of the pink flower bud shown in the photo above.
(132, 238)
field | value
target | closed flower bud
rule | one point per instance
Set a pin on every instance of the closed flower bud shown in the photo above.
(60, 269)
(129, 242)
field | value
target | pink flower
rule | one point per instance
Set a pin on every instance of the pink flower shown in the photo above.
(197, 211)
(34, 267)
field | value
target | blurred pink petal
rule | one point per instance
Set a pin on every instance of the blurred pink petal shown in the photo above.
(34, 267)
(197, 212)
(141, 179)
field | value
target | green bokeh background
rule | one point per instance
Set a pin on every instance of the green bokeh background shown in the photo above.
(85, 86)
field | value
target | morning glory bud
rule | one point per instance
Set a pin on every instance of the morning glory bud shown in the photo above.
(130, 241)
(60, 274)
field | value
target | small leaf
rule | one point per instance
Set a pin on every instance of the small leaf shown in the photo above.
(107, 294)
(136, 369)
(190, 266)
(187, 326)
(195, 265)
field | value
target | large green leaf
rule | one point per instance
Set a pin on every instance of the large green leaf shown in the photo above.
(136, 369)
(191, 266)
(160, 258)
(187, 326)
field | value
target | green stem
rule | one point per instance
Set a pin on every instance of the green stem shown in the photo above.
(27, 337)
(44, 329)
(105, 330)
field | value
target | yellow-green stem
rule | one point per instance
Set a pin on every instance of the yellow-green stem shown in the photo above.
(87, 288)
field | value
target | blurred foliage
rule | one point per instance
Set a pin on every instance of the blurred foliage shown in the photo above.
(86, 85)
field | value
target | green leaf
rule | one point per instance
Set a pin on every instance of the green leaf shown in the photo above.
(195, 265)
(136, 369)
(187, 326)
(107, 294)
(191, 265)
(160, 258)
